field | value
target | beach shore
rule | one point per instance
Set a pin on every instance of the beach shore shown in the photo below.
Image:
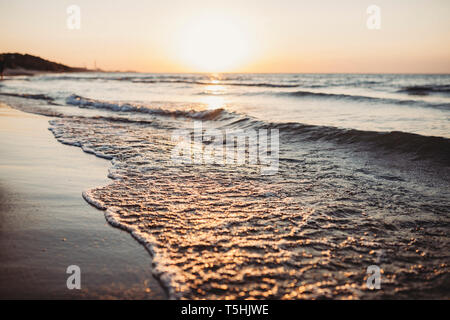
(46, 226)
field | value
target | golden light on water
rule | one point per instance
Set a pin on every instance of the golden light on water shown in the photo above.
(214, 98)
(214, 102)
(213, 43)
(215, 88)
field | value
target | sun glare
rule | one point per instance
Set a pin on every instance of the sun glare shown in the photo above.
(213, 43)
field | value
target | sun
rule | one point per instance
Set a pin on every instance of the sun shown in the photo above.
(213, 43)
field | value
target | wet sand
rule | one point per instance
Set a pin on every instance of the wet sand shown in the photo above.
(45, 225)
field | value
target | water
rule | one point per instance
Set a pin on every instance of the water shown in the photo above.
(408, 103)
(363, 178)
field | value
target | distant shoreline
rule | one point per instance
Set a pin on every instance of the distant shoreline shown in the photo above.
(25, 64)
(20, 71)
(26, 72)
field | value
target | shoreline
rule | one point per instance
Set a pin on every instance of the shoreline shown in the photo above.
(46, 225)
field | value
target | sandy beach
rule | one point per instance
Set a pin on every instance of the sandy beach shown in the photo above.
(45, 224)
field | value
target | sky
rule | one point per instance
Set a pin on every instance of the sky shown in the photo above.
(324, 36)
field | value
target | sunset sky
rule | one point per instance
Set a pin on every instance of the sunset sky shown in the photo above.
(233, 36)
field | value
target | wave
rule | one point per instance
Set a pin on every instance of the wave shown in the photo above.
(206, 83)
(421, 147)
(424, 147)
(358, 98)
(128, 107)
(425, 90)
(28, 96)
(238, 80)
(167, 274)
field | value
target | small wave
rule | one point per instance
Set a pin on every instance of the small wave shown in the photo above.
(28, 96)
(425, 90)
(424, 147)
(128, 107)
(206, 83)
(357, 98)
(429, 147)
(168, 275)
(79, 77)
